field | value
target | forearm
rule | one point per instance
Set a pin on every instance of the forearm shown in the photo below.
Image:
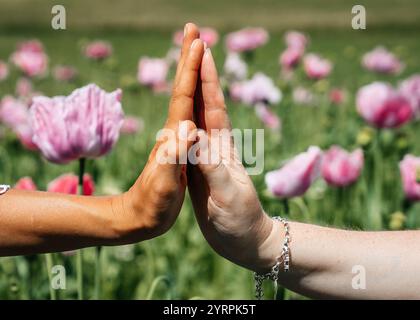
(328, 263)
(35, 222)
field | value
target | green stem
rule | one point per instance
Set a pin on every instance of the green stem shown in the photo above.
(286, 207)
(79, 255)
(98, 272)
(49, 263)
(375, 216)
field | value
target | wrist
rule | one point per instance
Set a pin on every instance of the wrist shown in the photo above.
(270, 249)
(129, 220)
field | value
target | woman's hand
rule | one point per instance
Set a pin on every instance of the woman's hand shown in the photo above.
(224, 198)
(153, 203)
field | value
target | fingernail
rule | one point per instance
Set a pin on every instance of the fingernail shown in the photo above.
(205, 45)
(208, 52)
(186, 29)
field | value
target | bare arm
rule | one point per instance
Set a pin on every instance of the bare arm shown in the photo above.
(333, 263)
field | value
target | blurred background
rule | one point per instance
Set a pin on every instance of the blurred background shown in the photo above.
(315, 110)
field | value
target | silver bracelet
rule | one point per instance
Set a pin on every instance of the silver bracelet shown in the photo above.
(284, 258)
(4, 188)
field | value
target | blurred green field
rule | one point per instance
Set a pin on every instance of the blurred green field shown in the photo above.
(223, 15)
(190, 269)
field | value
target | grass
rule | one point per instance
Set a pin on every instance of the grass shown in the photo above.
(180, 264)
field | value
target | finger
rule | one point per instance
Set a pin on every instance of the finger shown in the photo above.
(172, 150)
(215, 113)
(181, 107)
(211, 163)
(190, 34)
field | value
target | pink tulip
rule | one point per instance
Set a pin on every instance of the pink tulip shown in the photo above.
(25, 183)
(64, 73)
(152, 72)
(341, 168)
(382, 106)
(69, 183)
(337, 96)
(316, 67)
(32, 63)
(410, 89)
(268, 117)
(85, 124)
(296, 40)
(382, 61)
(290, 58)
(4, 70)
(247, 39)
(258, 89)
(208, 35)
(33, 45)
(132, 125)
(296, 176)
(235, 68)
(98, 50)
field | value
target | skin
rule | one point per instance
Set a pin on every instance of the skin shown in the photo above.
(233, 222)
(36, 222)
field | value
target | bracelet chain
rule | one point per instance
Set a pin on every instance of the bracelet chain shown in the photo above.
(284, 258)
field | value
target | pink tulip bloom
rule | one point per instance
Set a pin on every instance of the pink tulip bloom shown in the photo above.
(152, 72)
(410, 174)
(32, 63)
(64, 73)
(290, 58)
(235, 68)
(341, 168)
(25, 183)
(132, 125)
(4, 70)
(296, 176)
(410, 89)
(208, 35)
(268, 117)
(258, 89)
(69, 183)
(382, 106)
(316, 67)
(33, 45)
(303, 96)
(85, 124)
(247, 39)
(382, 61)
(296, 40)
(98, 50)
(337, 96)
